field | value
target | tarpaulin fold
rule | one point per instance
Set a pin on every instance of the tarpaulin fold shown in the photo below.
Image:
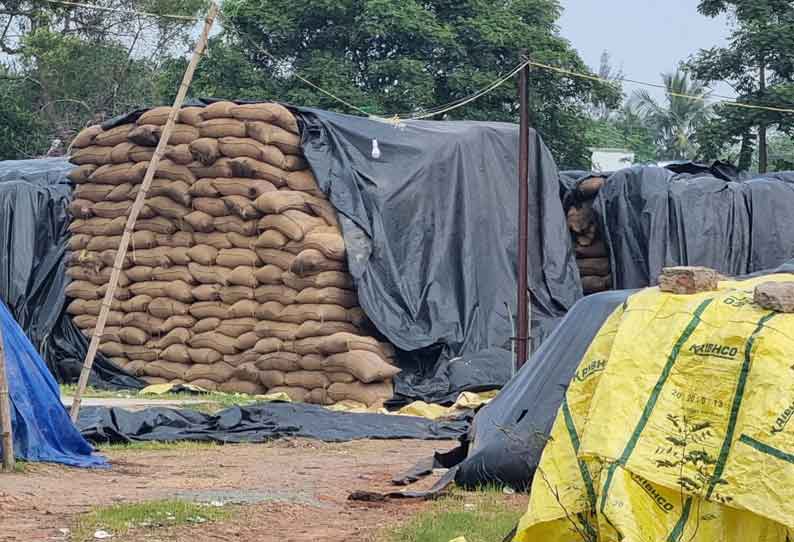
(508, 435)
(41, 426)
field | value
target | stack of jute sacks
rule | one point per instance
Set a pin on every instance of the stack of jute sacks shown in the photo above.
(591, 250)
(235, 278)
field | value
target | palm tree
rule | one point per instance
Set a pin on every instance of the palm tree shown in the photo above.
(674, 121)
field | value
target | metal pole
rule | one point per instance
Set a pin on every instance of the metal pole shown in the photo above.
(5, 413)
(522, 335)
(136, 209)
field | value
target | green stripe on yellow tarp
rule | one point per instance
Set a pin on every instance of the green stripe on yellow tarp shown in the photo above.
(738, 396)
(654, 398)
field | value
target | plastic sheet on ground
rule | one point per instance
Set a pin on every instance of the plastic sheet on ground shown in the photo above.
(259, 423)
(34, 200)
(676, 426)
(41, 426)
(653, 218)
(481, 371)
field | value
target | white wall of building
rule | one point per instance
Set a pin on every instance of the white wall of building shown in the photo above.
(611, 159)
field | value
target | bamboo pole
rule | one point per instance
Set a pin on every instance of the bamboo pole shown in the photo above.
(136, 209)
(6, 431)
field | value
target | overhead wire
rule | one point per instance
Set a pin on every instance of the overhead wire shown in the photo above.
(437, 110)
(124, 11)
(704, 98)
(297, 75)
(451, 106)
(472, 97)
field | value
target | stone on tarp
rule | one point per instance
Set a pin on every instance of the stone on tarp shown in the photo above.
(775, 296)
(688, 279)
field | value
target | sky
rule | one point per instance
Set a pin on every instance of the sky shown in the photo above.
(644, 37)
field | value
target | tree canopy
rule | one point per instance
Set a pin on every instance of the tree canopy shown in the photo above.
(70, 65)
(67, 66)
(404, 56)
(674, 121)
(758, 62)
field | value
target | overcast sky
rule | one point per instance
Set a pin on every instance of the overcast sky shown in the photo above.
(644, 37)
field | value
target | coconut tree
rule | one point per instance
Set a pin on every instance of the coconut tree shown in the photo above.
(674, 120)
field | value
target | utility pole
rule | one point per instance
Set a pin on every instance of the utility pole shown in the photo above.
(522, 335)
(762, 149)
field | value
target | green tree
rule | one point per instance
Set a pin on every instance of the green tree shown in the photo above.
(404, 56)
(624, 129)
(781, 152)
(758, 63)
(676, 120)
(68, 66)
(21, 130)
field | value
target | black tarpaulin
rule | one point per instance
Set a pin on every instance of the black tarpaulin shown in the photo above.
(34, 201)
(508, 435)
(258, 423)
(485, 370)
(430, 224)
(654, 218)
(718, 169)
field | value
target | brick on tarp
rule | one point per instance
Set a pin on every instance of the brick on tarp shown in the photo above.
(688, 279)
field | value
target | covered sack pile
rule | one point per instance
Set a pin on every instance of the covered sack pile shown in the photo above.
(687, 214)
(236, 278)
(430, 223)
(675, 426)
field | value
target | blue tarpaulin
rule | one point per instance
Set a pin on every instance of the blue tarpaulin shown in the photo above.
(42, 428)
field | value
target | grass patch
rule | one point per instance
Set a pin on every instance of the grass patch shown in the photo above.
(482, 516)
(157, 446)
(120, 519)
(20, 467)
(71, 389)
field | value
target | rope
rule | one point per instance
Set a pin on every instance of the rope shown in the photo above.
(295, 74)
(123, 11)
(476, 96)
(729, 101)
(451, 106)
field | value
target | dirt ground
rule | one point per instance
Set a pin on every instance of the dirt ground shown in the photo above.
(290, 491)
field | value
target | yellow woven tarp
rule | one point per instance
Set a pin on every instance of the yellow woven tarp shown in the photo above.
(675, 427)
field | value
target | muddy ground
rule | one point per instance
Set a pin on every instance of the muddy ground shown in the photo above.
(288, 491)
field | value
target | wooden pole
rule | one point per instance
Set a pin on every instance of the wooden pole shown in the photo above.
(136, 209)
(522, 333)
(6, 431)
